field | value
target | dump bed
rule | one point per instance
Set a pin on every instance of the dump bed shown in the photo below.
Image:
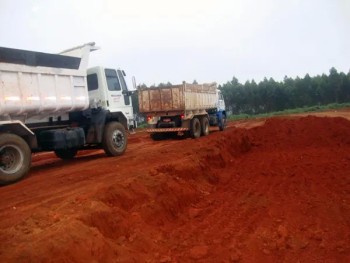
(36, 83)
(178, 98)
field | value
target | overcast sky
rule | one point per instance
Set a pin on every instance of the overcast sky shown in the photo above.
(175, 40)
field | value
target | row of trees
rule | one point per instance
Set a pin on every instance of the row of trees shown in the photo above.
(270, 95)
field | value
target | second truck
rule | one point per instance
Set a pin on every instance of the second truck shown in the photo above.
(182, 109)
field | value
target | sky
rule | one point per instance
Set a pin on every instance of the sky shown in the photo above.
(184, 40)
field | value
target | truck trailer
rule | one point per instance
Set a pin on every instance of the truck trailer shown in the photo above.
(182, 109)
(51, 102)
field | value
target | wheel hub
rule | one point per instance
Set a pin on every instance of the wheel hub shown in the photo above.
(118, 139)
(10, 159)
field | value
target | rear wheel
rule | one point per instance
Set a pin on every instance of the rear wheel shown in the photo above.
(204, 126)
(195, 128)
(114, 140)
(15, 158)
(66, 154)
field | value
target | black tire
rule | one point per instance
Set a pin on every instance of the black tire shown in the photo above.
(204, 126)
(114, 139)
(195, 128)
(15, 158)
(66, 154)
(222, 123)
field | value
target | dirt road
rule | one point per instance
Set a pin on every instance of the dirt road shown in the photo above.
(275, 190)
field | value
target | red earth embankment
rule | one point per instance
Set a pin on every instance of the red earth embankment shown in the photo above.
(274, 193)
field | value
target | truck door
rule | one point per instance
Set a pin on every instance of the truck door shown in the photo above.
(221, 102)
(118, 95)
(114, 94)
(125, 91)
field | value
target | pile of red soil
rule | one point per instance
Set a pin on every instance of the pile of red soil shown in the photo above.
(275, 193)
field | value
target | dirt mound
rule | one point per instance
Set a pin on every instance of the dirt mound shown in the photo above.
(303, 132)
(274, 193)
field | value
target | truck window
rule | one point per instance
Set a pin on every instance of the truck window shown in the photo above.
(124, 86)
(112, 80)
(220, 96)
(122, 80)
(92, 82)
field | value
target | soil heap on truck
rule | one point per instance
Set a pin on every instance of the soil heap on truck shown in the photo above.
(181, 109)
(51, 102)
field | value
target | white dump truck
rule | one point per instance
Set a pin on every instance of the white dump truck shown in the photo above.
(181, 109)
(51, 102)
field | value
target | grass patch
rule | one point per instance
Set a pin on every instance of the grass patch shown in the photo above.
(290, 111)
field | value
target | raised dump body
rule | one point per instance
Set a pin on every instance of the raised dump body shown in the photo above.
(178, 98)
(182, 108)
(36, 83)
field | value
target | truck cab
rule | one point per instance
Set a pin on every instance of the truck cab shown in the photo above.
(220, 103)
(108, 90)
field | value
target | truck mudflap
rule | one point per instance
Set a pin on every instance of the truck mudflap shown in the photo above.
(167, 130)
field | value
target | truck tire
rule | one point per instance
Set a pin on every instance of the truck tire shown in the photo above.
(15, 158)
(195, 128)
(204, 126)
(114, 139)
(222, 123)
(66, 154)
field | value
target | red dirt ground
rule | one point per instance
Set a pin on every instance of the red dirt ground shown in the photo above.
(276, 192)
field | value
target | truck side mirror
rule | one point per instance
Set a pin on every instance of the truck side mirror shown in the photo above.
(134, 82)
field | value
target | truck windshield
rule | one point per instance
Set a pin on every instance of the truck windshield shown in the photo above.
(220, 96)
(112, 80)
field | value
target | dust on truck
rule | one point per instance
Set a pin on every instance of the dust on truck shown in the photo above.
(51, 102)
(182, 109)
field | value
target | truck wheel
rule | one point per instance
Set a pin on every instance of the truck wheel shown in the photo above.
(114, 139)
(15, 158)
(195, 128)
(204, 126)
(222, 123)
(66, 154)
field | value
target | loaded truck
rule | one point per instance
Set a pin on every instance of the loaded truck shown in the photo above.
(52, 102)
(182, 109)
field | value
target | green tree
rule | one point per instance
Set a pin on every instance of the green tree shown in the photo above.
(335, 84)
